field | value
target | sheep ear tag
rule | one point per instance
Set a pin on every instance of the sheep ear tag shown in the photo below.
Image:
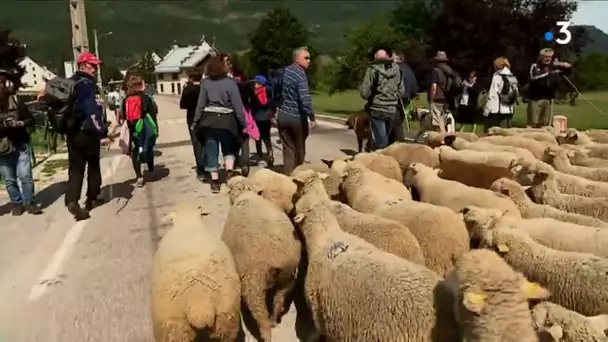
(473, 302)
(535, 291)
(299, 218)
(502, 248)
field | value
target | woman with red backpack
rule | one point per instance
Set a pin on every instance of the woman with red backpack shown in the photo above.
(262, 113)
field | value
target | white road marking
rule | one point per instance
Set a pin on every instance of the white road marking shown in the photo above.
(60, 257)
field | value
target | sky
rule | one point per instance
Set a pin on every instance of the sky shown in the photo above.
(592, 13)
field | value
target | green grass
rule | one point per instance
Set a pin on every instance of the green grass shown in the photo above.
(581, 116)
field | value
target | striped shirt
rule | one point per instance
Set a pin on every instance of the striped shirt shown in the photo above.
(295, 95)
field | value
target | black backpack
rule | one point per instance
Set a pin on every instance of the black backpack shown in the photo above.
(453, 83)
(59, 96)
(508, 93)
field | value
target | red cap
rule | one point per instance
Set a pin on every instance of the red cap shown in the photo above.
(87, 57)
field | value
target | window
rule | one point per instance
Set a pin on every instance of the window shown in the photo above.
(172, 88)
(174, 76)
(162, 89)
(34, 75)
(35, 82)
(179, 89)
(161, 76)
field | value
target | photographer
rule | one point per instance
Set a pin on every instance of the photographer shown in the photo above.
(542, 88)
(15, 151)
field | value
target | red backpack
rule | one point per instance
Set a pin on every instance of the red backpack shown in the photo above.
(133, 108)
(262, 95)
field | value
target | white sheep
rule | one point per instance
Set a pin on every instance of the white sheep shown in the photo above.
(598, 135)
(541, 135)
(574, 326)
(275, 187)
(196, 291)
(537, 148)
(382, 164)
(484, 146)
(582, 159)
(575, 137)
(559, 158)
(406, 154)
(331, 180)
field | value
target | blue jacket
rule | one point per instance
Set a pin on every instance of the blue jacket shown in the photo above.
(88, 109)
(296, 103)
(409, 81)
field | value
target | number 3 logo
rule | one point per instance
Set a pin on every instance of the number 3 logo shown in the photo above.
(563, 30)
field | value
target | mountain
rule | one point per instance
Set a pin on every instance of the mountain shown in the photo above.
(598, 40)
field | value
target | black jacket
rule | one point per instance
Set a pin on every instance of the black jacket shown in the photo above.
(409, 81)
(189, 100)
(18, 135)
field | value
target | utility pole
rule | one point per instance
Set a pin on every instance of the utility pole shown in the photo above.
(80, 38)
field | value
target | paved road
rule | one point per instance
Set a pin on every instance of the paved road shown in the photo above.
(62, 281)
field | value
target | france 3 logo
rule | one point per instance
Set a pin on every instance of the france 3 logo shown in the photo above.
(564, 35)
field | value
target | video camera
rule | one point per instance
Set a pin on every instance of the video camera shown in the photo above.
(12, 52)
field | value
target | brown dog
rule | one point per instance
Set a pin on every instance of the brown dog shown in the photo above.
(361, 124)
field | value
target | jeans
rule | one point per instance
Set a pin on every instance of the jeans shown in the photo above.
(381, 130)
(214, 139)
(17, 165)
(137, 158)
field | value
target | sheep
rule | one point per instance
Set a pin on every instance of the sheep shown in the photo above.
(455, 195)
(381, 183)
(387, 235)
(535, 147)
(484, 146)
(493, 299)
(598, 135)
(343, 270)
(581, 159)
(577, 281)
(575, 137)
(440, 232)
(559, 159)
(468, 136)
(434, 139)
(331, 181)
(266, 252)
(276, 188)
(544, 191)
(382, 164)
(359, 122)
(574, 326)
(475, 168)
(195, 285)
(529, 209)
(549, 232)
(541, 136)
(406, 154)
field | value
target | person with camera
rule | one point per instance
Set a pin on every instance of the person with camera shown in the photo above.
(542, 87)
(15, 151)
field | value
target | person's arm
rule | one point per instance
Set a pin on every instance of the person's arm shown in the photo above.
(26, 119)
(366, 86)
(152, 108)
(492, 102)
(237, 104)
(185, 99)
(536, 74)
(304, 99)
(200, 105)
(434, 85)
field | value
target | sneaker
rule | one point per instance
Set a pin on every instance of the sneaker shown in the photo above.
(78, 212)
(32, 209)
(18, 209)
(216, 186)
(92, 203)
(140, 182)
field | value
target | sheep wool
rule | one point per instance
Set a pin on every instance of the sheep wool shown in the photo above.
(406, 154)
(277, 188)
(484, 146)
(541, 135)
(195, 285)
(530, 210)
(440, 232)
(575, 137)
(468, 136)
(382, 164)
(535, 147)
(344, 269)
(574, 326)
(455, 195)
(387, 235)
(493, 299)
(559, 158)
(582, 159)
(331, 182)
(576, 281)
(598, 135)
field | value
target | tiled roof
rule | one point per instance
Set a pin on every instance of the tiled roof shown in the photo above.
(173, 61)
(198, 54)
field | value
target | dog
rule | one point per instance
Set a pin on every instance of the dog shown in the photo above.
(360, 123)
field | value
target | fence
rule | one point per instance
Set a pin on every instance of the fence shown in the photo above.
(43, 138)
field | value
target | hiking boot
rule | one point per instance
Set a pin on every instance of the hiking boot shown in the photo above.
(92, 203)
(140, 182)
(32, 209)
(78, 212)
(18, 209)
(216, 186)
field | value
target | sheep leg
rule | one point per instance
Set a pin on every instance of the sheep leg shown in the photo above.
(280, 299)
(254, 293)
(360, 145)
(174, 331)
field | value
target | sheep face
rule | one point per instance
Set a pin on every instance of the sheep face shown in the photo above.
(309, 181)
(509, 188)
(479, 221)
(338, 164)
(239, 185)
(496, 131)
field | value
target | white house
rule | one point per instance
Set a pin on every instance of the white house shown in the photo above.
(35, 76)
(172, 71)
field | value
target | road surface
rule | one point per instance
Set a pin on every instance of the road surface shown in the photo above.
(62, 281)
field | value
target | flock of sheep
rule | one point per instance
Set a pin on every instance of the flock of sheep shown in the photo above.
(462, 238)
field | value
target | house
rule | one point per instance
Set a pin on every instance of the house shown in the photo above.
(172, 71)
(35, 76)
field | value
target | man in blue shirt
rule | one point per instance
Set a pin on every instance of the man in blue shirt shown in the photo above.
(85, 138)
(294, 110)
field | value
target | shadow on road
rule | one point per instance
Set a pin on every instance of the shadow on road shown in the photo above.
(160, 172)
(46, 197)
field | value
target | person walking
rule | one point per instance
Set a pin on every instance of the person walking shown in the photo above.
(84, 140)
(502, 96)
(139, 111)
(382, 87)
(188, 102)
(467, 101)
(15, 151)
(411, 90)
(542, 88)
(262, 111)
(295, 110)
(219, 119)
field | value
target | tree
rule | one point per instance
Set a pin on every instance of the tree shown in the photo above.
(145, 68)
(274, 40)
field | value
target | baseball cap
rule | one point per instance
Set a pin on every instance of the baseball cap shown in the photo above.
(260, 79)
(87, 57)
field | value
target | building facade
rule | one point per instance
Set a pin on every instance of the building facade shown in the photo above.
(35, 76)
(172, 71)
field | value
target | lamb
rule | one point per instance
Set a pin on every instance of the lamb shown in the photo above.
(343, 269)
(440, 232)
(574, 326)
(455, 195)
(460, 144)
(266, 252)
(195, 285)
(559, 159)
(493, 299)
(598, 150)
(581, 159)
(529, 209)
(577, 281)
(598, 135)
(384, 234)
(276, 188)
(535, 147)
(475, 168)
(548, 232)
(541, 136)
(331, 180)
(406, 154)
(544, 191)
(382, 164)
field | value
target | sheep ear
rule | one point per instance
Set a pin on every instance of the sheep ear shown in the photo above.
(555, 331)
(474, 302)
(535, 291)
(299, 218)
(348, 158)
(298, 182)
(502, 248)
(323, 175)
(540, 177)
(505, 191)
(329, 163)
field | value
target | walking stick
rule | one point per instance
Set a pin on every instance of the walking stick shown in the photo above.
(407, 121)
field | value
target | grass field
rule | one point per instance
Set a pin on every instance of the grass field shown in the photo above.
(581, 116)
